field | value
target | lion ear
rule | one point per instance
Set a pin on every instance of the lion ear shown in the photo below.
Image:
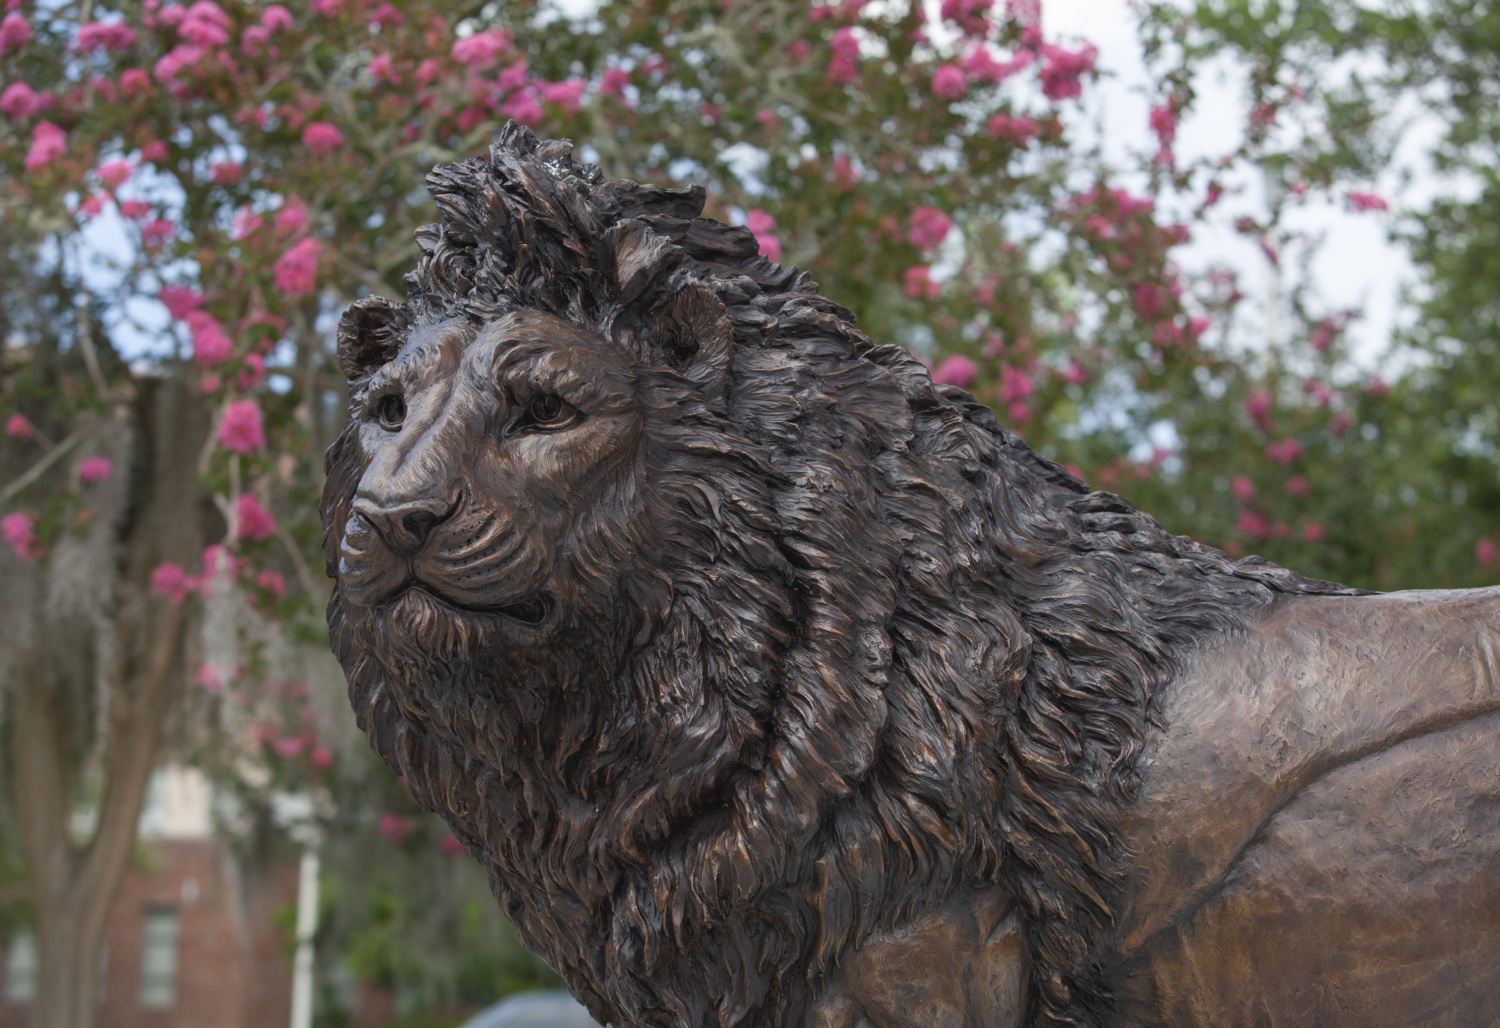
(370, 333)
(693, 334)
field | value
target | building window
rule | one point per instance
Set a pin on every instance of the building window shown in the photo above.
(159, 958)
(20, 967)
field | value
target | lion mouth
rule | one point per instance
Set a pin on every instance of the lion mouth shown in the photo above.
(529, 610)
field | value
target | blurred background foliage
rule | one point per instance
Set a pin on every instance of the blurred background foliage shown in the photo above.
(190, 194)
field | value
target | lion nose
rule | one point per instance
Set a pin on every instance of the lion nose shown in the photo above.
(405, 526)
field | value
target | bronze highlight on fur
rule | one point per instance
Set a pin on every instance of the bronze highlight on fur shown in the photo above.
(736, 649)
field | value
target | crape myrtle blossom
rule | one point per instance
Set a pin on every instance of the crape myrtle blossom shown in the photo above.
(48, 142)
(241, 429)
(296, 270)
(19, 101)
(19, 532)
(93, 470)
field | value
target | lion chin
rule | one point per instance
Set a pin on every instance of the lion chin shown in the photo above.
(775, 685)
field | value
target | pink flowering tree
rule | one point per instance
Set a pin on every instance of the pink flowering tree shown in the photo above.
(191, 192)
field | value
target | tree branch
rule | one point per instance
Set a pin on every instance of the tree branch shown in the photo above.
(50, 458)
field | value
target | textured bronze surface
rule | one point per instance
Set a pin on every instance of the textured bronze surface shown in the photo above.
(776, 686)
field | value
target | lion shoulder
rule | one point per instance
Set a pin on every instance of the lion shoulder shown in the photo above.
(1310, 686)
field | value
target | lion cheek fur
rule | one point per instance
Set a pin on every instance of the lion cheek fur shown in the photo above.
(837, 650)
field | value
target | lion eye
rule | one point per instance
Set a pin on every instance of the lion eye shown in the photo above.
(548, 409)
(391, 410)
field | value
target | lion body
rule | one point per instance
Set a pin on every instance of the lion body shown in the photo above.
(1315, 840)
(759, 671)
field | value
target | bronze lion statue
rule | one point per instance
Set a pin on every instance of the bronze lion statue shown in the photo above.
(775, 685)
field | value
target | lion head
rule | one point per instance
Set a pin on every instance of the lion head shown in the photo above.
(716, 631)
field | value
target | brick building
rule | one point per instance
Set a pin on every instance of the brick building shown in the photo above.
(194, 940)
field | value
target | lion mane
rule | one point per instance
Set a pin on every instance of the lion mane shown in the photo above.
(866, 649)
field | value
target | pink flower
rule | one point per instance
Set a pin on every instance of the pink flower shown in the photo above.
(254, 372)
(1313, 532)
(762, 225)
(513, 77)
(1284, 451)
(254, 522)
(134, 209)
(427, 71)
(927, 228)
(158, 232)
(1368, 202)
(14, 32)
(205, 24)
(135, 81)
(273, 582)
(296, 270)
(1298, 485)
(241, 430)
(19, 532)
(179, 300)
(246, 222)
(289, 747)
(1064, 68)
(254, 39)
(1242, 488)
(970, 15)
(1074, 374)
(613, 82)
(382, 70)
(1252, 524)
(449, 844)
(154, 152)
(179, 57)
(1485, 551)
(483, 49)
(321, 758)
(276, 17)
(917, 284)
(956, 370)
(19, 101)
(112, 36)
(18, 426)
(1164, 123)
(291, 218)
(981, 66)
(949, 82)
(327, 8)
(522, 106)
(225, 173)
(1015, 384)
(1147, 299)
(1018, 411)
(47, 144)
(564, 94)
(112, 173)
(171, 581)
(219, 563)
(393, 826)
(1258, 406)
(1019, 130)
(845, 44)
(844, 65)
(92, 470)
(322, 137)
(213, 678)
(210, 345)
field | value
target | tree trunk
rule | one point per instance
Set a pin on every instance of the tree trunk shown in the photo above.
(74, 883)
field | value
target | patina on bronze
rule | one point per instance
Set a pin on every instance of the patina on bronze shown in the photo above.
(776, 686)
